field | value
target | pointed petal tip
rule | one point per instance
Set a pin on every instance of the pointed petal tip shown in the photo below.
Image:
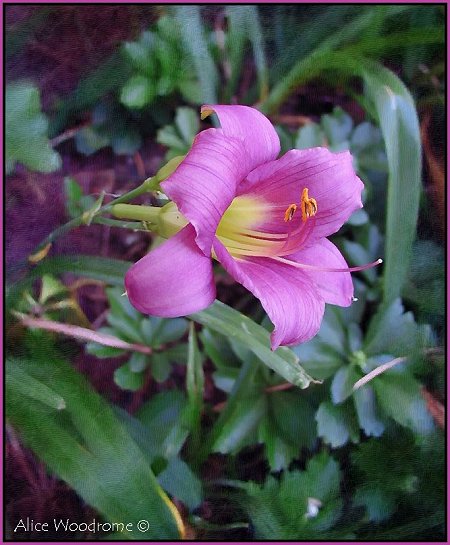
(206, 111)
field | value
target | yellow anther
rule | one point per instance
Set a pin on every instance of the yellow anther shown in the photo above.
(290, 211)
(308, 205)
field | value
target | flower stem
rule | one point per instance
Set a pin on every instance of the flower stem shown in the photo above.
(92, 216)
(135, 225)
(136, 212)
(150, 184)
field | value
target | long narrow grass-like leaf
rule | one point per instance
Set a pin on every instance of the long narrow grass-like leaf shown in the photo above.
(244, 26)
(256, 38)
(236, 38)
(350, 59)
(86, 446)
(110, 271)
(25, 385)
(194, 386)
(245, 387)
(196, 45)
(400, 126)
(230, 322)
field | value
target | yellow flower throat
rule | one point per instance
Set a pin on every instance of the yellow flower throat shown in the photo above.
(238, 229)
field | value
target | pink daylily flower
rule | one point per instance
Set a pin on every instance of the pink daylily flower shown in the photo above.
(264, 219)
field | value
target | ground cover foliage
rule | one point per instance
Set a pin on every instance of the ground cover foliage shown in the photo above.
(193, 423)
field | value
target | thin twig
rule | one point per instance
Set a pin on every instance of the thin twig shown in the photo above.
(279, 387)
(67, 135)
(139, 163)
(435, 407)
(83, 334)
(286, 119)
(377, 371)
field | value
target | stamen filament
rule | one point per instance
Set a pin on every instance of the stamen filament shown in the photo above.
(325, 269)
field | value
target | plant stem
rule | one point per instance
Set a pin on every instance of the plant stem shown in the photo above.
(148, 185)
(83, 334)
(136, 212)
(136, 225)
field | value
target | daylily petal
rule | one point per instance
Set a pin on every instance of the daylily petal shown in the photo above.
(288, 295)
(175, 279)
(336, 288)
(205, 183)
(256, 132)
(329, 177)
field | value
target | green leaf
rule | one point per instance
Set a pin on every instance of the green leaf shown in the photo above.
(100, 351)
(386, 469)
(393, 331)
(225, 379)
(50, 287)
(255, 35)
(126, 143)
(244, 26)
(400, 127)
(190, 90)
(25, 385)
(309, 136)
(283, 509)
(337, 126)
(358, 218)
(286, 139)
(168, 136)
(180, 482)
(167, 331)
(400, 398)
(177, 353)
(140, 53)
(279, 452)
(138, 362)
(240, 427)
(379, 504)
(120, 305)
(294, 418)
(26, 130)
(127, 379)
(125, 328)
(426, 280)
(342, 384)
(86, 446)
(73, 193)
(322, 477)
(160, 367)
(179, 137)
(325, 353)
(137, 92)
(218, 349)
(195, 383)
(111, 271)
(365, 136)
(228, 321)
(193, 38)
(235, 41)
(367, 411)
(188, 123)
(89, 140)
(336, 424)
(162, 417)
